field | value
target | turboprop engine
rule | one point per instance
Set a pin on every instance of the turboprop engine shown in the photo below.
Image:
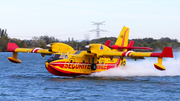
(59, 48)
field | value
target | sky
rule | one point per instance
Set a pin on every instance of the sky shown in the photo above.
(65, 19)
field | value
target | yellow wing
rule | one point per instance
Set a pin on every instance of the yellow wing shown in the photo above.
(102, 50)
(32, 50)
(54, 48)
(12, 47)
(167, 52)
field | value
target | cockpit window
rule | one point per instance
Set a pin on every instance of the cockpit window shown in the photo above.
(64, 56)
(52, 55)
(56, 56)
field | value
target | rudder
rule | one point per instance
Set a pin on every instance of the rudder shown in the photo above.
(123, 37)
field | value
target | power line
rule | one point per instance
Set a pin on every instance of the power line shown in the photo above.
(98, 30)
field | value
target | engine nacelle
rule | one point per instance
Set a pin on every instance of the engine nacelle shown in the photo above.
(59, 48)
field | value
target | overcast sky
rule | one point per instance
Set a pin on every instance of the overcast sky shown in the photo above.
(24, 19)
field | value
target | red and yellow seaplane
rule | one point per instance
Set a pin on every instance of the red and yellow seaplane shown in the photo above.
(65, 61)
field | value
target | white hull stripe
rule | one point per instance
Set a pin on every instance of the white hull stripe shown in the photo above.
(85, 64)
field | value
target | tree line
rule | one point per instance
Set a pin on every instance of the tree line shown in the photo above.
(3, 40)
(156, 44)
(42, 41)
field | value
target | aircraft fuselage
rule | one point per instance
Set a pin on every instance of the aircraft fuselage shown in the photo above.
(78, 64)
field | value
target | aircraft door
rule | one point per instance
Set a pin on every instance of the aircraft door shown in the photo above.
(71, 60)
(123, 62)
(71, 63)
(93, 65)
(92, 59)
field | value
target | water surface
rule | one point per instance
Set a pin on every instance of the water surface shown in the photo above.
(31, 81)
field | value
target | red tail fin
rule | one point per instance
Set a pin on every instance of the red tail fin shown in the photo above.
(108, 42)
(11, 47)
(131, 43)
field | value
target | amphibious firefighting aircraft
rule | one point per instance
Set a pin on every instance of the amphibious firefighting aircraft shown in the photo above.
(65, 61)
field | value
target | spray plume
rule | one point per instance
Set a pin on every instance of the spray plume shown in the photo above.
(145, 68)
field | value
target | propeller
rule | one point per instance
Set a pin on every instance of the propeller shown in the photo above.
(49, 46)
(87, 46)
(86, 38)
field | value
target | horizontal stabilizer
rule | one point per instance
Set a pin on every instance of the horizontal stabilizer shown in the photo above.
(146, 48)
(129, 48)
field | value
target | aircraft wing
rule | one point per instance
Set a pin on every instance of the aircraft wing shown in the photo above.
(167, 52)
(12, 47)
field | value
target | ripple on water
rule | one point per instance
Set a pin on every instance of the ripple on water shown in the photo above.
(31, 81)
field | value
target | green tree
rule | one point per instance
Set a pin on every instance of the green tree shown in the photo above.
(3, 40)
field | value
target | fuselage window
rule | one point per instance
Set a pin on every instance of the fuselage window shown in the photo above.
(102, 62)
(83, 61)
(97, 62)
(62, 56)
(71, 61)
(77, 52)
(66, 57)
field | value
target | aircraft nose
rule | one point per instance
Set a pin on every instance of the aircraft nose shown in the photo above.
(46, 65)
(49, 60)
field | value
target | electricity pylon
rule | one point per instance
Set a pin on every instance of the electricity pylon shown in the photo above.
(98, 30)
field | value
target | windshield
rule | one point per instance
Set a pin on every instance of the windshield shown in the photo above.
(64, 56)
(54, 57)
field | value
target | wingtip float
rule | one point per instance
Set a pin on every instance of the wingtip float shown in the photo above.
(65, 61)
(11, 47)
(168, 53)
